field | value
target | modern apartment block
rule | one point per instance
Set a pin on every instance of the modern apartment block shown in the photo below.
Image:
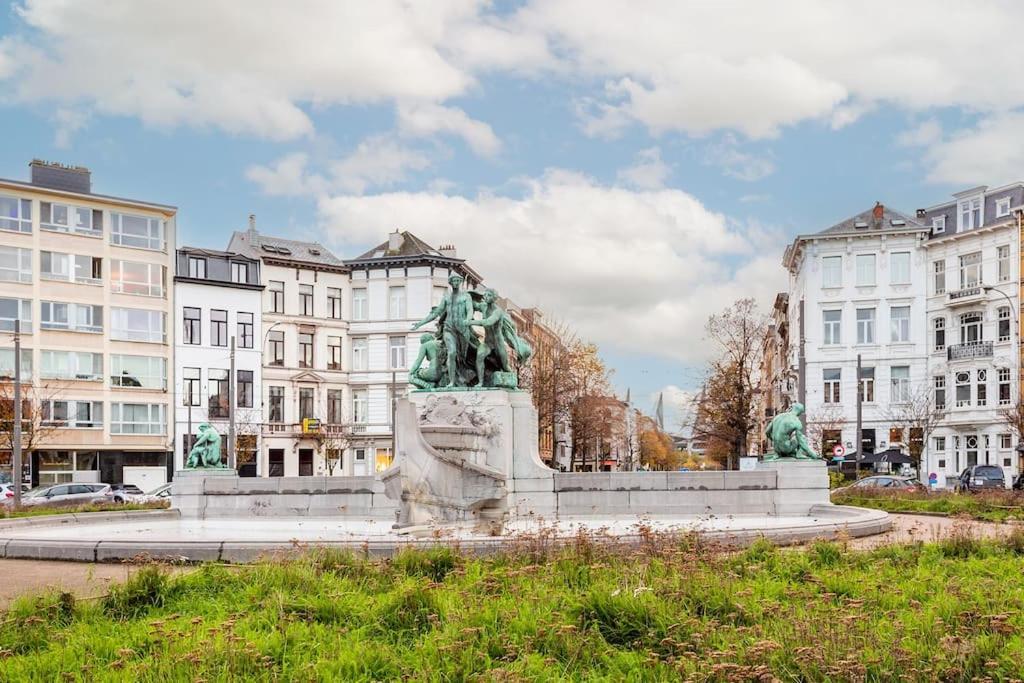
(973, 309)
(218, 312)
(87, 275)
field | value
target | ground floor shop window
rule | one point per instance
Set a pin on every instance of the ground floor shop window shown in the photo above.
(383, 459)
(275, 465)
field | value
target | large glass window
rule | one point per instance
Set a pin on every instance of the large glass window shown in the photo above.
(1003, 254)
(832, 378)
(276, 404)
(15, 264)
(239, 272)
(305, 404)
(971, 329)
(15, 214)
(56, 315)
(333, 303)
(71, 365)
(7, 364)
(142, 372)
(970, 270)
(396, 346)
(1003, 376)
(899, 267)
(963, 388)
(305, 350)
(9, 312)
(939, 382)
(899, 377)
(970, 214)
(136, 324)
(1004, 323)
(306, 300)
(276, 290)
(275, 339)
(191, 386)
(218, 396)
(359, 406)
(865, 270)
(65, 218)
(396, 303)
(197, 267)
(360, 304)
(136, 231)
(865, 326)
(832, 271)
(867, 385)
(131, 277)
(137, 418)
(940, 334)
(192, 334)
(334, 353)
(72, 414)
(218, 327)
(335, 410)
(899, 323)
(981, 387)
(70, 267)
(243, 397)
(939, 268)
(359, 354)
(245, 330)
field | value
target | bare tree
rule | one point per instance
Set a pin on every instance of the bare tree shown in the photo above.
(335, 439)
(247, 432)
(37, 425)
(591, 412)
(822, 427)
(916, 418)
(549, 379)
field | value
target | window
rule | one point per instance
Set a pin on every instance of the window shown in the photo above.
(305, 350)
(334, 303)
(136, 231)
(981, 388)
(136, 324)
(970, 214)
(142, 279)
(65, 218)
(971, 330)
(1005, 442)
(71, 365)
(940, 334)
(334, 353)
(1003, 254)
(396, 346)
(899, 377)
(70, 267)
(970, 270)
(360, 304)
(244, 332)
(305, 404)
(866, 386)
(437, 295)
(865, 326)
(15, 264)
(219, 393)
(137, 418)
(306, 299)
(243, 395)
(276, 339)
(832, 271)
(1004, 323)
(72, 414)
(7, 364)
(939, 268)
(832, 380)
(899, 323)
(396, 303)
(1002, 207)
(143, 372)
(359, 406)
(239, 272)
(218, 327)
(939, 443)
(276, 289)
(938, 224)
(197, 267)
(865, 270)
(276, 403)
(191, 386)
(833, 321)
(55, 315)
(335, 414)
(359, 354)
(9, 312)
(15, 214)
(192, 333)
(939, 382)
(963, 389)
(899, 268)
(1003, 377)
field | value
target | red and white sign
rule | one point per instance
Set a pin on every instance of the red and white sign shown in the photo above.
(838, 451)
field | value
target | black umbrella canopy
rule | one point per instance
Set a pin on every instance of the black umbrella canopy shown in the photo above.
(891, 455)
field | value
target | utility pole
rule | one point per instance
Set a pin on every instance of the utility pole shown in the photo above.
(232, 458)
(16, 474)
(394, 404)
(859, 439)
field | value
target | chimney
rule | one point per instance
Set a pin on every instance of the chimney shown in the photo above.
(878, 212)
(395, 241)
(921, 213)
(447, 250)
(58, 176)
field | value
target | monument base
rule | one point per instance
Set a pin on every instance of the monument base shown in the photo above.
(801, 484)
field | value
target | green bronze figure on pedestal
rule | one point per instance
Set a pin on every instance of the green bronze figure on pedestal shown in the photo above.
(785, 432)
(205, 451)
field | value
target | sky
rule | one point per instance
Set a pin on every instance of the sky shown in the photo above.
(629, 166)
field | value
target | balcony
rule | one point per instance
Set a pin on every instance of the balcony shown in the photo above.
(966, 296)
(970, 351)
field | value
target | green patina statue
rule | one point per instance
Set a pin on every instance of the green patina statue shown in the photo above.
(785, 431)
(206, 449)
(456, 354)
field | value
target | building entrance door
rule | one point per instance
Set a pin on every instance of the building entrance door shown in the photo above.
(305, 462)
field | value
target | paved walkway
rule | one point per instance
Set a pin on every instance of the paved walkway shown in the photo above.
(908, 528)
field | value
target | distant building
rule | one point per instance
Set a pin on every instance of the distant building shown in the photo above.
(777, 378)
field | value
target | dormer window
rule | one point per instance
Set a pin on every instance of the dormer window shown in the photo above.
(1002, 207)
(939, 224)
(239, 272)
(197, 267)
(970, 214)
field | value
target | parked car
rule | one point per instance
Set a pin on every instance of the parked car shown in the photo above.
(979, 477)
(890, 482)
(158, 494)
(127, 493)
(7, 493)
(68, 494)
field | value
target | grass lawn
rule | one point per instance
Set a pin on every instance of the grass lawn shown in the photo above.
(995, 506)
(670, 610)
(39, 510)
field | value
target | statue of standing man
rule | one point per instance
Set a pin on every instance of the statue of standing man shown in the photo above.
(453, 314)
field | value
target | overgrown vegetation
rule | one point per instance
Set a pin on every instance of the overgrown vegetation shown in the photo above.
(672, 609)
(991, 506)
(39, 510)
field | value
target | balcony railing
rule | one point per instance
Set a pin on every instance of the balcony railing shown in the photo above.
(966, 295)
(980, 349)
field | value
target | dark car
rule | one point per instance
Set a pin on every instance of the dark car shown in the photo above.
(889, 482)
(980, 477)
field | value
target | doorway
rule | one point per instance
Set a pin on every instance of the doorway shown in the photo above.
(275, 466)
(305, 462)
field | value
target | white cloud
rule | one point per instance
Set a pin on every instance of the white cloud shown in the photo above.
(989, 153)
(640, 270)
(926, 133)
(431, 119)
(680, 405)
(68, 122)
(648, 173)
(286, 177)
(736, 163)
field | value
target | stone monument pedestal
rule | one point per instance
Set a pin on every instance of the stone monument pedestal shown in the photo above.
(801, 484)
(188, 490)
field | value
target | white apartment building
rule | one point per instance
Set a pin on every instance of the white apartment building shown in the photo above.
(856, 289)
(87, 275)
(972, 317)
(218, 300)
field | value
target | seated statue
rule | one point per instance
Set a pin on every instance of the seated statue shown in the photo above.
(431, 350)
(786, 434)
(206, 449)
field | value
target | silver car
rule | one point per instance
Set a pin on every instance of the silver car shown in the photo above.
(68, 494)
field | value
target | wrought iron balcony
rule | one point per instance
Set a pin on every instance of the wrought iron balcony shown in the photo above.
(980, 349)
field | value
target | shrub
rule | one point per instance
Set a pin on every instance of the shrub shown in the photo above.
(411, 612)
(621, 618)
(434, 563)
(148, 587)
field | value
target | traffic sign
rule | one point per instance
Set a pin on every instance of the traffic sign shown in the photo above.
(838, 451)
